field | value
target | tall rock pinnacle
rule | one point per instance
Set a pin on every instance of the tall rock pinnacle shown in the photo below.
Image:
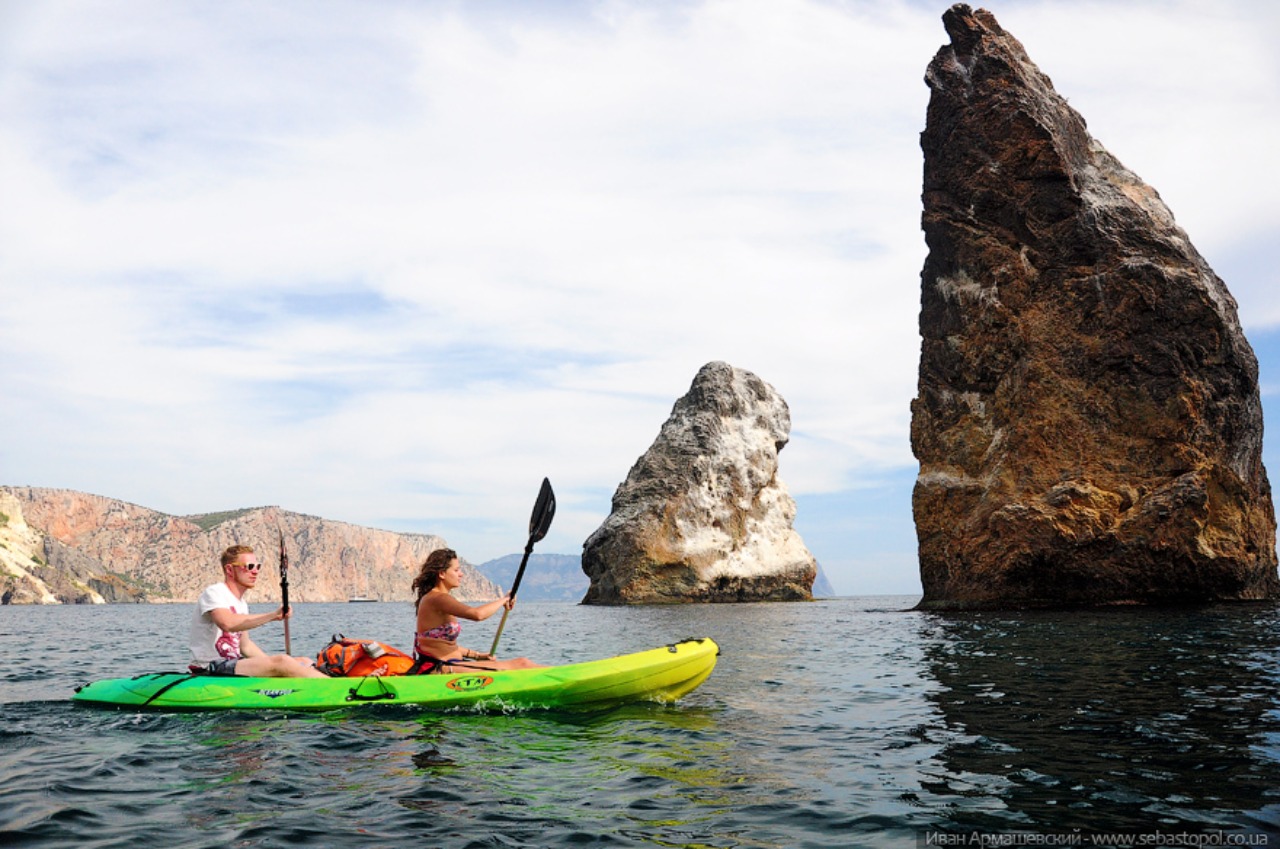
(1088, 422)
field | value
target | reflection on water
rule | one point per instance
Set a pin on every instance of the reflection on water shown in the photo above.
(567, 776)
(1109, 720)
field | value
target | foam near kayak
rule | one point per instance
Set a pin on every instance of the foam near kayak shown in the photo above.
(661, 675)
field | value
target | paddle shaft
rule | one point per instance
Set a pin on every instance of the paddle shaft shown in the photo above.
(524, 561)
(284, 592)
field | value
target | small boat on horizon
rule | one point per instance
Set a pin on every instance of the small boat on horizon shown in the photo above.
(357, 598)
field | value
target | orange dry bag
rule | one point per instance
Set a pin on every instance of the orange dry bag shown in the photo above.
(357, 658)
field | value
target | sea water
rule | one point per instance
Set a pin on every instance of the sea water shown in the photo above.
(838, 723)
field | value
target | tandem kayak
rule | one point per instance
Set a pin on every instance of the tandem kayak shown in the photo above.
(661, 675)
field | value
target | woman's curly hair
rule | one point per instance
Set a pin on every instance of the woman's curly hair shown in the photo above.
(429, 575)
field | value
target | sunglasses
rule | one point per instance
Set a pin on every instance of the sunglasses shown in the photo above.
(250, 567)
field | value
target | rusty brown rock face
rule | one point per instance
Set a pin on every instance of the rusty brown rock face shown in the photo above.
(1088, 421)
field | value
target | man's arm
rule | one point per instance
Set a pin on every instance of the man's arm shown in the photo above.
(230, 621)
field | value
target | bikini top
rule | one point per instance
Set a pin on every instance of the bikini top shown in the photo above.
(449, 632)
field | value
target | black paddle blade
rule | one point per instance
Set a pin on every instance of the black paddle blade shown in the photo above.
(284, 586)
(284, 556)
(539, 523)
(544, 510)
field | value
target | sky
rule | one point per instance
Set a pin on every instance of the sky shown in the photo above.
(392, 263)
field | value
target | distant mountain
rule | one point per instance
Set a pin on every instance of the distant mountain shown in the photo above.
(548, 577)
(821, 586)
(61, 546)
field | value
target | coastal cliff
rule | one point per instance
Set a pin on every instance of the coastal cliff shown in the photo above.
(1088, 421)
(62, 546)
(702, 516)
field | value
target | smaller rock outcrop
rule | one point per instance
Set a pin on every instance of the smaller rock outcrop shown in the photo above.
(21, 561)
(37, 569)
(702, 515)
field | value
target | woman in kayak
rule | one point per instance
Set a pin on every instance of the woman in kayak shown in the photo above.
(436, 640)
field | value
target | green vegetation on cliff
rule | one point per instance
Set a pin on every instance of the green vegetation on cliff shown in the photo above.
(209, 521)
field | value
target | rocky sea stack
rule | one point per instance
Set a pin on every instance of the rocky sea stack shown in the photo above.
(702, 516)
(1088, 422)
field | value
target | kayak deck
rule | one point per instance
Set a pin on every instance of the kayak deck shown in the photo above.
(661, 674)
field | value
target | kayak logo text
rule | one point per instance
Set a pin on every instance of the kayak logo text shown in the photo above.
(469, 683)
(274, 694)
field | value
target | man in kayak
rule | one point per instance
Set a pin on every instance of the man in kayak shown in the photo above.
(220, 644)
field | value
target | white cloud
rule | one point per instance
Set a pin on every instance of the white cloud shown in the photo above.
(392, 263)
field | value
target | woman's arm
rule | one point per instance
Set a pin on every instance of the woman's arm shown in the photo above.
(473, 654)
(445, 604)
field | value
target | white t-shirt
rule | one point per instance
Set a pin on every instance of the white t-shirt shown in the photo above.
(209, 642)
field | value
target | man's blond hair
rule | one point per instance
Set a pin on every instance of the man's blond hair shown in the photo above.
(230, 556)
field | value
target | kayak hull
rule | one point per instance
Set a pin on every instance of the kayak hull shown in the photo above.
(660, 675)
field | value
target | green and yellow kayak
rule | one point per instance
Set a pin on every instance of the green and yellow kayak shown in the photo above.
(661, 675)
